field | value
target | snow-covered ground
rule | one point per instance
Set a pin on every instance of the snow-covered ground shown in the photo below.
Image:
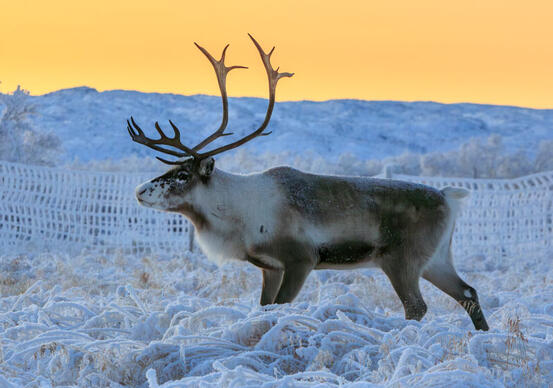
(113, 320)
(118, 320)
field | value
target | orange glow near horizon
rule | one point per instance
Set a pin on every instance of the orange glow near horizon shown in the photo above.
(493, 51)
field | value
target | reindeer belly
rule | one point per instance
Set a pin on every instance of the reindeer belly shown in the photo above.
(345, 254)
(351, 242)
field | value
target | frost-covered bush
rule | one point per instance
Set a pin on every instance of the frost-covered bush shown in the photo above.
(477, 158)
(544, 159)
(20, 142)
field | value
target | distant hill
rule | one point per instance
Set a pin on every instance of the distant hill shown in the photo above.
(92, 124)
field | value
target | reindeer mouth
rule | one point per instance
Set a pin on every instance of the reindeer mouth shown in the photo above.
(144, 202)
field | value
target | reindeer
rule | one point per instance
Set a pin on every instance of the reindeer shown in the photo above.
(287, 222)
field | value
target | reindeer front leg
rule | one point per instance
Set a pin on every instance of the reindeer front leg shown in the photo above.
(292, 282)
(272, 279)
(285, 265)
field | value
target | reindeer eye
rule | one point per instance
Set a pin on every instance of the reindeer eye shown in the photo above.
(182, 176)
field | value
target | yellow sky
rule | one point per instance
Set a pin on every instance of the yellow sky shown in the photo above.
(485, 51)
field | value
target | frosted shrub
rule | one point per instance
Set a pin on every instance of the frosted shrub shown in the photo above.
(480, 158)
(477, 158)
(20, 141)
(515, 165)
(40, 148)
(544, 159)
(439, 163)
(409, 164)
(350, 163)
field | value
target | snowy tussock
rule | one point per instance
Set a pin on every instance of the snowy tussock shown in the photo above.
(96, 321)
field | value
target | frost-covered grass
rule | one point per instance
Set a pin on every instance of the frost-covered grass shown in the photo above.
(138, 320)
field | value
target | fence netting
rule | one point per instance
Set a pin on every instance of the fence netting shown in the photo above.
(45, 208)
(48, 208)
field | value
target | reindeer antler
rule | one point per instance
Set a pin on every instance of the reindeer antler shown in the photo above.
(273, 77)
(221, 71)
(137, 134)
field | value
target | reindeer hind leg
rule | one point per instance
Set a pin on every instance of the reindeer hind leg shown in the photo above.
(442, 274)
(406, 284)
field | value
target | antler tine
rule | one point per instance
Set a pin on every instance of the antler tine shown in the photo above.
(273, 77)
(137, 135)
(221, 71)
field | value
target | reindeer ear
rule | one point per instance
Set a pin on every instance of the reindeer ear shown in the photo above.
(206, 167)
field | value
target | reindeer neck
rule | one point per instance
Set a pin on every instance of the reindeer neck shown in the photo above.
(223, 198)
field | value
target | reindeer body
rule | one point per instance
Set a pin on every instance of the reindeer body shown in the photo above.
(287, 222)
(346, 222)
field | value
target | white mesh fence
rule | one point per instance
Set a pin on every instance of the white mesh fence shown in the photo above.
(501, 216)
(51, 209)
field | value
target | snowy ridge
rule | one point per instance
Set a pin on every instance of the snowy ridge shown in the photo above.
(92, 124)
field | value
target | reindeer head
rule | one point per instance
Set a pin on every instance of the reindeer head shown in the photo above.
(174, 190)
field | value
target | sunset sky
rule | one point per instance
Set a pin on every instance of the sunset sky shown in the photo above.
(485, 51)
